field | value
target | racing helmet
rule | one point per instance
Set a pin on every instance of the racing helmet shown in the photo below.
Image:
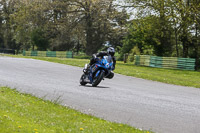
(111, 51)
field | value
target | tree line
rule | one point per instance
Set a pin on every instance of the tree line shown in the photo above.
(60, 24)
(157, 27)
(164, 28)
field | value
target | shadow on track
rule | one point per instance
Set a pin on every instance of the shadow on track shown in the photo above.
(94, 87)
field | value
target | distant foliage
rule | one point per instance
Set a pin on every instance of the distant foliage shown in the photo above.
(156, 27)
(165, 28)
(39, 39)
(80, 25)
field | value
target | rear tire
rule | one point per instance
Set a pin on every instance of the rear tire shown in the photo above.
(98, 79)
(82, 82)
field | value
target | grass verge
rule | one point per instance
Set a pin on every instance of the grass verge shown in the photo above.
(27, 114)
(177, 77)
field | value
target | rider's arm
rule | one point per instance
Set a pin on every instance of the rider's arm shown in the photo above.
(101, 54)
(94, 57)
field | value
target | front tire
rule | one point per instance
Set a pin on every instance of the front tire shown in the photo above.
(98, 79)
(82, 82)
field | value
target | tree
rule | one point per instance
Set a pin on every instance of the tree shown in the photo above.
(158, 10)
(64, 24)
(29, 16)
(195, 8)
(98, 18)
(39, 39)
(7, 8)
(1, 29)
(143, 35)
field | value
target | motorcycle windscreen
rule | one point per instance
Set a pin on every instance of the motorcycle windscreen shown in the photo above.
(107, 61)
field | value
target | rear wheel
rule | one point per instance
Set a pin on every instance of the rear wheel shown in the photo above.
(98, 79)
(82, 82)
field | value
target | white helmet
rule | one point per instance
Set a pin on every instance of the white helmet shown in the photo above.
(111, 51)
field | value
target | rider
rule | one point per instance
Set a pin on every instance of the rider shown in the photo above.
(110, 51)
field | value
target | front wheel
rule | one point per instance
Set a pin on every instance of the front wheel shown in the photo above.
(82, 82)
(98, 79)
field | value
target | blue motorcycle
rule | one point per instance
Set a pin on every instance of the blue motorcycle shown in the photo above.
(98, 71)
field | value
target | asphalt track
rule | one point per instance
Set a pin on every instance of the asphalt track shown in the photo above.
(144, 104)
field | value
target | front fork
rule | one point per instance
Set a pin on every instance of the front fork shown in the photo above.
(85, 68)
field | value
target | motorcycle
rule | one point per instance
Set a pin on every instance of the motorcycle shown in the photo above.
(101, 69)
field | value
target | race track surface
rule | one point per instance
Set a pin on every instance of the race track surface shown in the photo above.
(149, 105)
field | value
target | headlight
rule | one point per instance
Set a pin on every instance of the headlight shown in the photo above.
(107, 65)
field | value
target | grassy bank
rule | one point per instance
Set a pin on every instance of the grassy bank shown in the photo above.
(26, 114)
(177, 77)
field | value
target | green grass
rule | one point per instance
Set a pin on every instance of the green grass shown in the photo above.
(27, 114)
(177, 77)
